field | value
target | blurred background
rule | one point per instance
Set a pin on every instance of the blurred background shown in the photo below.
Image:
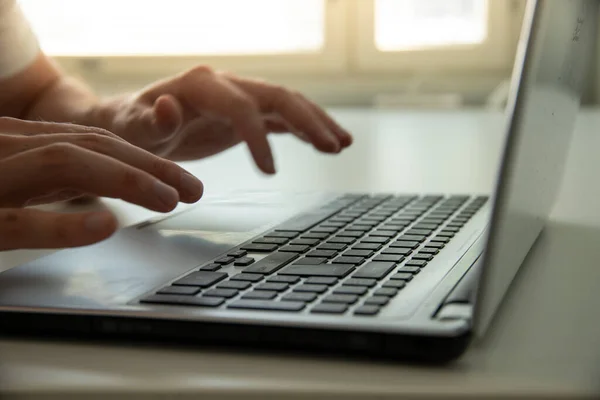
(363, 53)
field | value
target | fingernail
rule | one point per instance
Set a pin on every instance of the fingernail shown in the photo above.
(97, 222)
(269, 164)
(166, 194)
(191, 185)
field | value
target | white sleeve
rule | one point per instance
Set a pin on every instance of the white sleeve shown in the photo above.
(18, 44)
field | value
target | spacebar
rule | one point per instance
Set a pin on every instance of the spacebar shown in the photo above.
(303, 222)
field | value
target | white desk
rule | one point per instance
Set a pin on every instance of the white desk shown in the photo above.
(545, 341)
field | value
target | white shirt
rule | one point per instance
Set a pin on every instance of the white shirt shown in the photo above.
(18, 44)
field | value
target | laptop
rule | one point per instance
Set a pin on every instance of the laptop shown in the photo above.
(399, 276)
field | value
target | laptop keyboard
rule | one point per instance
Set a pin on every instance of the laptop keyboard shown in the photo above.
(351, 256)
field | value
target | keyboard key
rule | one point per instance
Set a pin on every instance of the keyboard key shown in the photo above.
(383, 233)
(394, 284)
(388, 292)
(377, 300)
(324, 229)
(366, 282)
(440, 239)
(225, 260)
(349, 260)
(398, 251)
(424, 232)
(329, 308)
(359, 253)
(305, 221)
(238, 253)
(271, 263)
(403, 276)
(240, 285)
(422, 256)
(375, 239)
(405, 243)
(225, 293)
(304, 297)
(358, 290)
(340, 298)
(260, 247)
(436, 245)
(367, 246)
(311, 261)
(410, 270)
(284, 279)
(449, 229)
(247, 277)
(282, 234)
(304, 242)
(183, 300)
(412, 238)
(272, 286)
(243, 261)
(259, 295)
(311, 288)
(332, 246)
(183, 290)
(270, 240)
(424, 226)
(202, 279)
(294, 249)
(334, 224)
(354, 234)
(374, 270)
(266, 305)
(344, 240)
(358, 228)
(321, 280)
(389, 258)
(322, 253)
(446, 234)
(367, 310)
(211, 267)
(429, 250)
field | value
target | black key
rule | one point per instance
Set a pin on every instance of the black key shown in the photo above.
(365, 282)
(329, 308)
(375, 239)
(238, 253)
(344, 240)
(359, 290)
(340, 220)
(424, 232)
(446, 234)
(399, 251)
(353, 234)
(202, 279)
(366, 224)
(243, 261)
(225, 293)
(454, 225)
(394, 284)
(304, 222)
(225, 260)
(311, 288)
(429, 250)
(434, 245)
(439, 239)
(450, 229)
(402, 276)
(271, 263)
(211, 267)
(393, 227)
(284, 279)
(272, 286)
(422, 256)
(270, 240)
(183, 290)
(367, 310)
(267, 305)
(389, 258)
(259, 295)
(304, 242)
(424, 226)
(358, 228)
(311, 261)
(412, 238)
(260, 247)
(367, 246)
(240, 285)
(183, 300)
(315, 235)
(332, 246)
(388, 292)
(304, 297)
(404, 243)
(433, 221)
(410, 269)
(294, 249)
(359, 253)
(333, 270)
(377, 300)
(324, 229)
(322, 253)
(349, 260)
(341, 298)
(334, 224)
(247, 277)
(387, 234)
(282, 234)
(374, 270)
(321, 280)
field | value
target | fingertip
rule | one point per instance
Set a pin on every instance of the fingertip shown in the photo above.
(100, 225)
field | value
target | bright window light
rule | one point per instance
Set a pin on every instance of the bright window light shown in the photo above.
(177, 27)
(421, 24)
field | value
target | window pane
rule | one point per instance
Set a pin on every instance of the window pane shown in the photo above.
(417, 24)
(150, 27)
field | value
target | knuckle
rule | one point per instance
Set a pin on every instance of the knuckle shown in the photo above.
(243, 104)
(57, 159)
(94, 142)
(200, 71)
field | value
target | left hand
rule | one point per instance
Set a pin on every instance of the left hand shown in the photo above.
(200, 113)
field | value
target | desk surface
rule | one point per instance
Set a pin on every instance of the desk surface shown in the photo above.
(545, 340)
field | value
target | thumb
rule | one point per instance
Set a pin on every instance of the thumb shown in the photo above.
(168, 115)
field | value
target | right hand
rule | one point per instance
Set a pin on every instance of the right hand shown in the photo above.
(45, 162)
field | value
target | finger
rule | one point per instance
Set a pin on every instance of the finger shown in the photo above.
(205, 91)
(168, 114)
(62, 195)
(189, 187)
(63, 166)
(27, 228)
(343, 135)
(24, 127)
(293, 109)
(278, 125)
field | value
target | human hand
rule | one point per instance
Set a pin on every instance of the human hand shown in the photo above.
(46, 162)
(201, 112)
